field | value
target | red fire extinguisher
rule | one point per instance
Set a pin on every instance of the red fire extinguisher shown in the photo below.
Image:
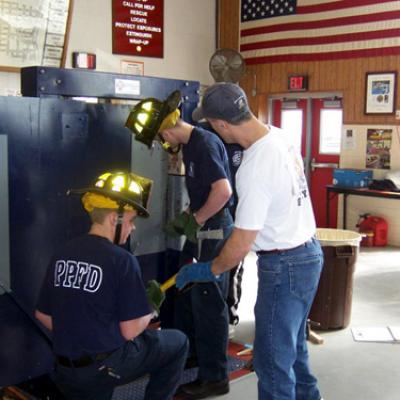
(375, 230)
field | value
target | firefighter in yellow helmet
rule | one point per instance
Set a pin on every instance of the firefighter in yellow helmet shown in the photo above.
(152, 116)
(118, 191)
(94, 302)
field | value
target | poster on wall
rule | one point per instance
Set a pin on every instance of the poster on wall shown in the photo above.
(137, 27)
(33, 32)
(380, 92)
(379, 143)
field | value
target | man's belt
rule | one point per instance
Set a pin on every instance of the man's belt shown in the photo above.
(83, 361)
(278, 251)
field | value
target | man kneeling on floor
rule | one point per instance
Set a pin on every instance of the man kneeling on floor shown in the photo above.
(94, 302)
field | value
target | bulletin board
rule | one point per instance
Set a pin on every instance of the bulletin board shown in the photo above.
(33, 32)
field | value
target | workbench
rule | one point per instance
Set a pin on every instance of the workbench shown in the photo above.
(332, 191)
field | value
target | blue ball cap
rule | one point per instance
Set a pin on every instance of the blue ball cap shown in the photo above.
(222, 100)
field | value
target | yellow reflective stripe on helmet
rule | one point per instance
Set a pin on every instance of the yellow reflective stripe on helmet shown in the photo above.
(118, 183)
(91, 201)
(138, 127)
(135, 187)
(104, 176)
(170, 120)
(143, 118)
(147, 105)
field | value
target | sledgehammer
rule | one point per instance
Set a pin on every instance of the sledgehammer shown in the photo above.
(168, 283)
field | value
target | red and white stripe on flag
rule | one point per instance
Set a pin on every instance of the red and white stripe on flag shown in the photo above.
(311, 30)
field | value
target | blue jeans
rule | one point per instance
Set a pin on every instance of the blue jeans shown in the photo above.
(159, 353)
(201, 312)
(288, 281)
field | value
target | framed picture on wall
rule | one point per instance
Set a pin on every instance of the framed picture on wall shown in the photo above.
(33, 32)
(132, 67)
(380, 92)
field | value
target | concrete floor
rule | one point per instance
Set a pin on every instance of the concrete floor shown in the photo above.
(346, 370)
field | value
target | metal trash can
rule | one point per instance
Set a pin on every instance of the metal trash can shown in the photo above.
(332, 304)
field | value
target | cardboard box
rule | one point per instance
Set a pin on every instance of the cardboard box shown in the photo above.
(353, 178)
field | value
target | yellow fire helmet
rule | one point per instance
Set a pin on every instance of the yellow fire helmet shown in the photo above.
(151, 116)
(117, 190)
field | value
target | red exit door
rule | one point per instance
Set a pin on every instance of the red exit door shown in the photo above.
(316, 125)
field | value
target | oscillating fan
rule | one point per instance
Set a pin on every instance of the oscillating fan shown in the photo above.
(227, 65)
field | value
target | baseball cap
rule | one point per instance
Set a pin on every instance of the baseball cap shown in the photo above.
(222, 100)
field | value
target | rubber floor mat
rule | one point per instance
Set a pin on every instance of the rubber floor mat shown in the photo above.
(135, 390)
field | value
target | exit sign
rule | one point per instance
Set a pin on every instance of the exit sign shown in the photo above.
(297, 83)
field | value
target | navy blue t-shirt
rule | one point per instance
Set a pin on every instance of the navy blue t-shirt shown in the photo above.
(205, 162)
(90, 286)
(235, 155)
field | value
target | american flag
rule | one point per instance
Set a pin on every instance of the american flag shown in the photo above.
(311, 30)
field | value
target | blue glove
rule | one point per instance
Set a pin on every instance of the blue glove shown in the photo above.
(196, 272)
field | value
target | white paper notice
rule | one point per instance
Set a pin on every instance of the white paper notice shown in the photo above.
(127, 86)
(348, 139)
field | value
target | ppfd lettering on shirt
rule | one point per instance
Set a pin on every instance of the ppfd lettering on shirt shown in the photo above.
(77, 275)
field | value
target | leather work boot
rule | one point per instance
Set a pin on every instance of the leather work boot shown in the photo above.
(200, 389)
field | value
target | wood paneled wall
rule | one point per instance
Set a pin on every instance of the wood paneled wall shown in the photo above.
(346, 76)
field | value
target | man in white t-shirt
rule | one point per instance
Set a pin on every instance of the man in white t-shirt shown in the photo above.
(274, 217)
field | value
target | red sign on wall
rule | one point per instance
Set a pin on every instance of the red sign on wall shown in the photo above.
(138, 27)
(298, 82)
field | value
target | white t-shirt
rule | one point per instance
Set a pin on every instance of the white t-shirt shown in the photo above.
(273, 193)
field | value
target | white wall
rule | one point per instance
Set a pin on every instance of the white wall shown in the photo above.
(356, 205)
(189, 41)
